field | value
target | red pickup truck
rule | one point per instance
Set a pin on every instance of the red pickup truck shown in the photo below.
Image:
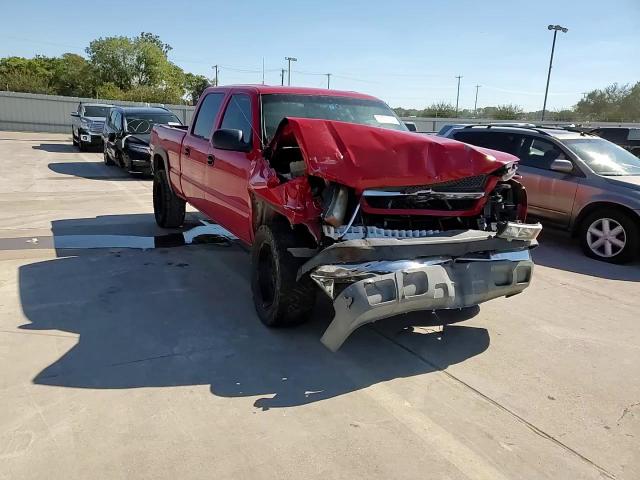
(330, 188)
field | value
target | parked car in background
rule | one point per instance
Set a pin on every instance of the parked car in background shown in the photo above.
(126, 135)
(329, 187)
(575, 181)
(87, 123)
(626, 137)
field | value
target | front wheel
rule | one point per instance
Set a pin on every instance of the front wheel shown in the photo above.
(610, 235)
(168, 208)
(279, 299)
(73, 138)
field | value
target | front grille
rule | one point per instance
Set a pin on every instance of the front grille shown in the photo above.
(467, 184)
(420, 203)
(97, 126)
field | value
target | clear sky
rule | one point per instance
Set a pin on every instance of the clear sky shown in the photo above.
(405, 52)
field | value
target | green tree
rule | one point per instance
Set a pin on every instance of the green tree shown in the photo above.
(72, 75)
(507, 112)
(194, 85)
(439, 109)
(30, 75)
(613, 103)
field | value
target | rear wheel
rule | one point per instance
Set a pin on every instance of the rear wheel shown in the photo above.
(279, 299)
(168, 208)
(610, 235)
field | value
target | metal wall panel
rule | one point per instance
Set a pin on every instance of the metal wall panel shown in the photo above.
(31, 112)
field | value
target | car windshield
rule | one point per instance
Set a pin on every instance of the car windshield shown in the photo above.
(144, 122)
(95, 111)
(375, 113)
(604, 157)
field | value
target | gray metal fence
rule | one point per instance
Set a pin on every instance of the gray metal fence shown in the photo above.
(31, 112)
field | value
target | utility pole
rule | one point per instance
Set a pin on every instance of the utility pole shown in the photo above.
(290, 59)
(263, 70)
(458, 95)
(328, 80)
(282, 77)
(215, 67)
(475, 105)
(556, 29)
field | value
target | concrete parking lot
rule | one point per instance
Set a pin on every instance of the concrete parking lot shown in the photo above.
(131, 363)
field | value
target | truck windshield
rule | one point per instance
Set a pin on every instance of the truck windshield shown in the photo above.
(604, 157)
(144, 122)
(95, 111)
(375, 113)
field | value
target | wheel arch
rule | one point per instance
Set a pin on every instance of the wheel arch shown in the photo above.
(264, 213)
(594, 206)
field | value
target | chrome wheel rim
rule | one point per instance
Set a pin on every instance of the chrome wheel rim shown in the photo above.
(606, 237)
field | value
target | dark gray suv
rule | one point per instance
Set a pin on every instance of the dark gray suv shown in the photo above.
(575, 181)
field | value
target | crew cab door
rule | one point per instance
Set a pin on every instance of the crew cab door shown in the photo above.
(228, 174)
(195, 149)
(550, 194)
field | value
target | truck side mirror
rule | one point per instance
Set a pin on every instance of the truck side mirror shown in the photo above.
(75, 114)
(230, 139)
(111, 137)
(411, 126)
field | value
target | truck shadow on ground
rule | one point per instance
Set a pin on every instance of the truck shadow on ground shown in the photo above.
(57, 147)
(93, 171)
(184, 316)
(558, 250)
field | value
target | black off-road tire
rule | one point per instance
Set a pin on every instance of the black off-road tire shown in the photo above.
(81, 145)
(279, 299)
(73, 139)
(168, 208)
(631, 237)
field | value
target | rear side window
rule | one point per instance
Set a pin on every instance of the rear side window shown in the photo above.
(238, 116)
(502, 141)
(203, 126)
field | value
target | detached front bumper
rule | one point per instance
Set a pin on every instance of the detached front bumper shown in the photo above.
(446, 285)
(369, 279)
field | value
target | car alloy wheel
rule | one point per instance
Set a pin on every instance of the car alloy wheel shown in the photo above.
(606, 237)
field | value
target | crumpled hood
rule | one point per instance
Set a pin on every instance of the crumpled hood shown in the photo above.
(362, 156)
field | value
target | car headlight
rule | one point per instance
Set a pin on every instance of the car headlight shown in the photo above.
(136, 147)
(509, 171)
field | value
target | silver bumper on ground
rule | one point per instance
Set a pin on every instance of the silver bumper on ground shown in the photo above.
(429, 284)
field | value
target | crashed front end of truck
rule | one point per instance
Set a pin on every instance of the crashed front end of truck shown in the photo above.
(400, 222)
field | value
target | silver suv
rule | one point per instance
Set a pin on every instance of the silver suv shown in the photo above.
(575, 181)
(87, 123)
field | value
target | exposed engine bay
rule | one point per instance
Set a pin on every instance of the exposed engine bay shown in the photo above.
(400, 222)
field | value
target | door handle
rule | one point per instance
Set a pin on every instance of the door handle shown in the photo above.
(187, 151)
(210, 159)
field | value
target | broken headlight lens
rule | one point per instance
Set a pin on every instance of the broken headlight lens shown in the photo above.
(519, 231)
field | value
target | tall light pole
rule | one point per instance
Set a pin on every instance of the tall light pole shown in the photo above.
(458, 95)
(290, 59)
(328, 80)
(282, 76)
(556, 29)
(475, 104)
